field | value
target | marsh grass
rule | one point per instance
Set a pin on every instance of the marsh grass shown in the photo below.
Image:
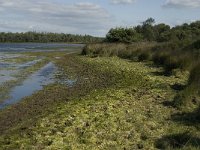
(191, 94)
(174, 57)
(126, 51)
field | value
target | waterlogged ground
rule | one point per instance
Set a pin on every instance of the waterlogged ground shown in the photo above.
(31, 84)
(27, 68)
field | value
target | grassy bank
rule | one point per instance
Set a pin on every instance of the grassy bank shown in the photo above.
(176, 58)
(115, 104)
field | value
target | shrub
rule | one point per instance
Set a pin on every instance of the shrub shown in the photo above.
(144, 56)
(196, 45)
(194, 79)
(191, 94)
(170, 63)
(159, 58)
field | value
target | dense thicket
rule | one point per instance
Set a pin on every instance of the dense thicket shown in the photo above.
(47, 37)
(149, 31)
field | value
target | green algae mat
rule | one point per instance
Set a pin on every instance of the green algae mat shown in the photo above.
(114, 104)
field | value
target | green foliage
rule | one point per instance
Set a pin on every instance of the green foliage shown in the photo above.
(190, 96)
(144, 56)
(172, 56)
(126, 35)
(171, 63)
(149, 21)
(195, 45)
(194, 78)
(126, 51)
(47, 37)
(158, 32)
(159, 58)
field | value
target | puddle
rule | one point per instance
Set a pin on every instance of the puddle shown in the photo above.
(9, 70)
(5, 65)
(32, 84)
(28, 64)
(7, 75)
(64, 79)
(9, 56)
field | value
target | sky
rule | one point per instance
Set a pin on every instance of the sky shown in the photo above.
(93, 17)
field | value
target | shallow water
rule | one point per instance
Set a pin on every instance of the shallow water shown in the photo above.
(7, 75)
(37, 47)
(28, 64)
(32, 84)
(10, 69)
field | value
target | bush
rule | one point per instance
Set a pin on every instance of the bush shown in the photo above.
(126, 51)
(159, 58)
(190, 96)
(144, 56)
(196, 45)
(194, 79)
(171, 63)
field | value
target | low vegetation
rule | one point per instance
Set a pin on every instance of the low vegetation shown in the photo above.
(115, 104)
(140, 89)
(179, 57)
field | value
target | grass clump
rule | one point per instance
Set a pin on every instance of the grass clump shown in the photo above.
(144, 56)
(182, 141)
(190, 95)
(126, 51)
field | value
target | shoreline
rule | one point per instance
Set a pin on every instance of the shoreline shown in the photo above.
(121, 96)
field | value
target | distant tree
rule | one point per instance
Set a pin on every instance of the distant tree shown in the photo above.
(161, 32)
(148, 30)
(149, 21)
(47, 37)
(127, 35)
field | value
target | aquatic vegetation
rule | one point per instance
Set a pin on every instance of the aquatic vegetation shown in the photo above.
(115, 104)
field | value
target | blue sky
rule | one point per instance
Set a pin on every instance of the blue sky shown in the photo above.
(94, 17)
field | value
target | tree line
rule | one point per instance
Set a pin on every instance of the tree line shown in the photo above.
(44, 37)
(149, 31)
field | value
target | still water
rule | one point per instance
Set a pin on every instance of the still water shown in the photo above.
(9, 69)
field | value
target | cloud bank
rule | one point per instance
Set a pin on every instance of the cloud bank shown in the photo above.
(182, 3)
(23, 15)
(122, 1)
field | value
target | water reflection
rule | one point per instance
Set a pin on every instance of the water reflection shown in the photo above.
(32, 84)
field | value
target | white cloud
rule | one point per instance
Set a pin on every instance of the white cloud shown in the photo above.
(23, 15)
(122, 1)
(182, 3)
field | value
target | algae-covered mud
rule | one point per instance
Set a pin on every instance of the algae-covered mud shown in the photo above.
(95, 103)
